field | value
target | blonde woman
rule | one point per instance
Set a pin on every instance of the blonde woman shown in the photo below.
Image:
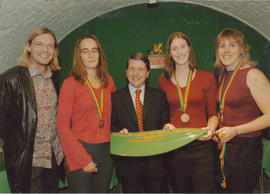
(243, 96)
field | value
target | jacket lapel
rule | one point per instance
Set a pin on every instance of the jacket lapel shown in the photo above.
(147, 101)
(56, 81)
(29, 87)
(128, 104)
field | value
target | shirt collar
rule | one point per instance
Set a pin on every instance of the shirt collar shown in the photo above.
(34, 71)
(132, 89)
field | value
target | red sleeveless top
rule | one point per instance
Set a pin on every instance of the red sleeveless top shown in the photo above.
(240, 107)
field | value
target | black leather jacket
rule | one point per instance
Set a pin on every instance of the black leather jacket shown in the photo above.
(18, 121)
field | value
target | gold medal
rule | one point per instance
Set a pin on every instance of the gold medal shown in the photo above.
(183, 98)
(99, 104)
(101, 123)
(184, 118)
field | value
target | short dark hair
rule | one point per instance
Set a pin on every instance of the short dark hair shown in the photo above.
(139, 56)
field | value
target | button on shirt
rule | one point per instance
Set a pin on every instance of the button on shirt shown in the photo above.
(46, 138)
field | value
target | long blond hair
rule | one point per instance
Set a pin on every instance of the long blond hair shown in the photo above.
(235, 35)
(170, 65)
(25, 58)
(78, 69)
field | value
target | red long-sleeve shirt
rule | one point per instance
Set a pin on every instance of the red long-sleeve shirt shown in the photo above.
(201, 100)
(77, 119)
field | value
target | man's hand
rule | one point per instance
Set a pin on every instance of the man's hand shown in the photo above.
(124, 131)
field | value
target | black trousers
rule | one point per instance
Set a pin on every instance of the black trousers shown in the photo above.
(242, 164)
(142, 174)
(192, 168)
(45, 180)
(99, 182)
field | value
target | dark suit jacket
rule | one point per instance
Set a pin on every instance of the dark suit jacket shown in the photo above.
(155, 115)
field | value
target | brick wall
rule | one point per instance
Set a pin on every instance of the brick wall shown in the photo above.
(19, 17)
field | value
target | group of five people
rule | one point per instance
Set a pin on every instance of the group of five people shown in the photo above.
(36, 125)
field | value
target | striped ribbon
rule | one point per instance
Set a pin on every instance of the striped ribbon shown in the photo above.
(99, 105)
(222, 97)
(222, 148)
(221, 145)
(184, 102)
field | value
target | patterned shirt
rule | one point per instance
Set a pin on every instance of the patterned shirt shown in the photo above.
(46, 139)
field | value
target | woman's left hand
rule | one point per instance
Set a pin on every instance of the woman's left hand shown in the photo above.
(207, 136)
(227, 133)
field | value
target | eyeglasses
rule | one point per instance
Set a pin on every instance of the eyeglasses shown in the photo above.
(87, 51)
(40, 46)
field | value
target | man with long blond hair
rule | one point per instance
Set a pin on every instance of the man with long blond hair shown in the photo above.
(28, 104)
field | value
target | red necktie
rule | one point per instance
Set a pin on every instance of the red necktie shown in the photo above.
(139, 110)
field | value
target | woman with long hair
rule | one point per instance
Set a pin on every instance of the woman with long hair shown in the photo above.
(191, 96)
(244, 110)
(84, 117)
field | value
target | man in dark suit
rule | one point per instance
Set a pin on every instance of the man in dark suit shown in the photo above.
(140, 174)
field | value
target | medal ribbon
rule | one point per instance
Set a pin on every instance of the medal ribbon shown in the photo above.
(184, 102)
(221, 145)
(222, 148)
(99, 105)
(222, 97)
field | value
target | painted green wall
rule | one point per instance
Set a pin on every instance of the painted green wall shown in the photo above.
(137, 28)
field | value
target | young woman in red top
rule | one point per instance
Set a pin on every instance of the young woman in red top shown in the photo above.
(83, 119)
(243, 96)
(191, 95)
